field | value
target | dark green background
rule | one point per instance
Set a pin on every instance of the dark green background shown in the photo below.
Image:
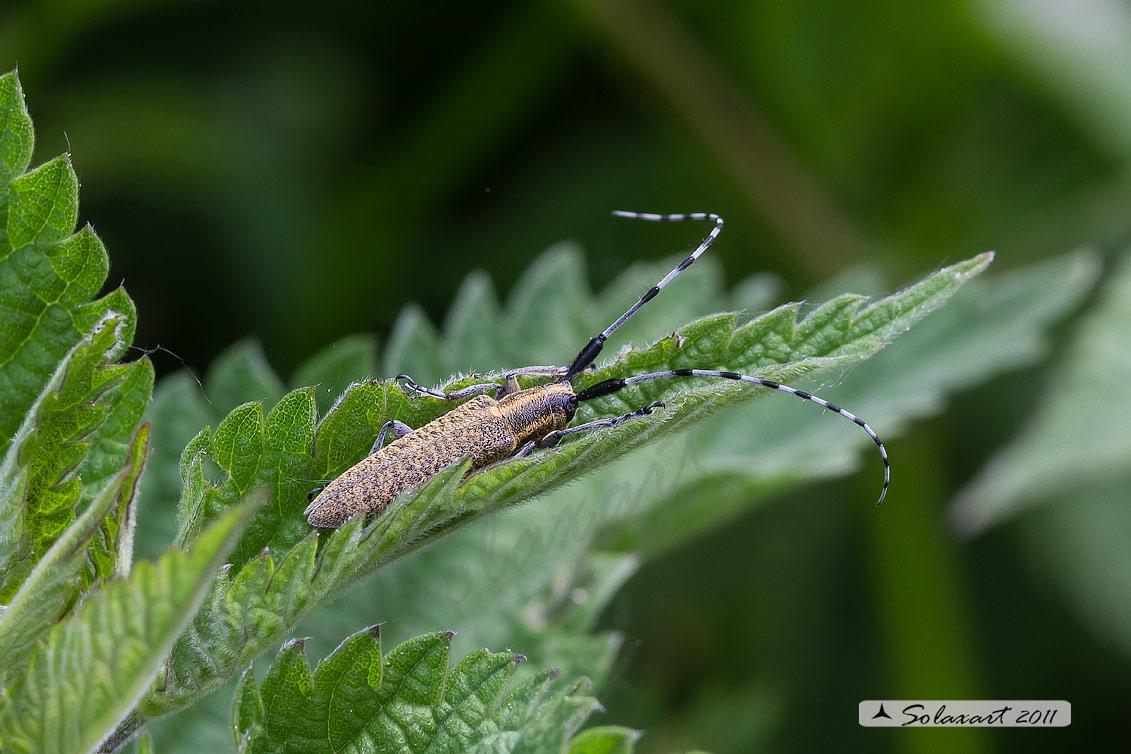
(297, 172)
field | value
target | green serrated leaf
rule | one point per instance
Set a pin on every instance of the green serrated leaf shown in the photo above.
(53, 585)
(43, 205)
(274, 453)
(17, 138)
(43, 295)
(247, 709)
(989, 327)
(406, 701)
(40, 474)
(176, 413)
(87, 675)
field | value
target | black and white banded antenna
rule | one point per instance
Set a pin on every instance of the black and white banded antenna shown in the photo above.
(590, 352)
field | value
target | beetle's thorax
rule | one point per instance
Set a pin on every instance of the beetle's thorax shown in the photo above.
(535, 412)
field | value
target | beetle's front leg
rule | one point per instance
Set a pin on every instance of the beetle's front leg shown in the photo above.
(552, 439)
(520, 453)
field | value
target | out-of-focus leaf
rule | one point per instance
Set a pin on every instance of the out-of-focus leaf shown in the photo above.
(1077, 543)
(241, 374)
(1078, 437)
(1065, 42)
(333, 369)
(1071, 461)
(608, 739)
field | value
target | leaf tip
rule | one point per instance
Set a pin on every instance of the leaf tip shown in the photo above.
(374, 630)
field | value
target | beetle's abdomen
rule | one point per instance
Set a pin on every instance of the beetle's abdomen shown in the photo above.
(473, 430)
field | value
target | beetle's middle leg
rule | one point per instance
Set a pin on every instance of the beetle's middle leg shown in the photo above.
(552, 439)
(400, 429)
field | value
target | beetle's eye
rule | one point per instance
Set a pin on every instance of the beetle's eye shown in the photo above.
(313, 494)
(572, 402)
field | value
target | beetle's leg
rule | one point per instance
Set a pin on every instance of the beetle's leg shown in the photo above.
(552, 439)
(520, 453)
(539, 371)
(510, 385)
(457, 395)
(400, 429)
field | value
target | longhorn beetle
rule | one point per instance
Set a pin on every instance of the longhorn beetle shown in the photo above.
(491, 430)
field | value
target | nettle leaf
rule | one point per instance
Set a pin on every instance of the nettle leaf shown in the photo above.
(607, 739)
(67, 412)
(53, 585)
(89, 672)
(242, 374)
(67, 450)
(281, 568)
(17, 138)
(145, 744)
(1062, 482)
(1078, 436)
(408, 701)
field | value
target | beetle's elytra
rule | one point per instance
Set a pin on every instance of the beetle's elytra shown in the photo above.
(509, 425)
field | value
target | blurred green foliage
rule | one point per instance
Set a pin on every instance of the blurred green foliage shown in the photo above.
(299, 173)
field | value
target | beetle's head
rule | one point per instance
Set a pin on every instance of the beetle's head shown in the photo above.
(561, 401)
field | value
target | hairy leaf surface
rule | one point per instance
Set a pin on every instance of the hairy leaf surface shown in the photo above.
(91, 670)
(408, 700)
(53, 585)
